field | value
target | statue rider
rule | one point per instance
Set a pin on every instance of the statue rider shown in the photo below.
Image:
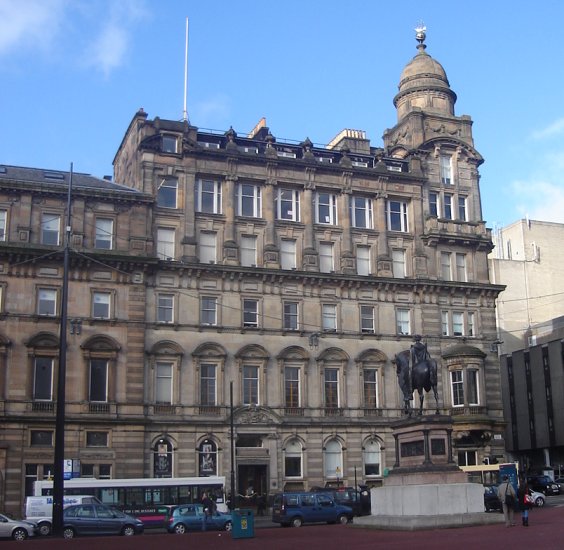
(419, 351)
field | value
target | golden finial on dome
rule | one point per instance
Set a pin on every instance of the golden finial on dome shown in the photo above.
(420, 35)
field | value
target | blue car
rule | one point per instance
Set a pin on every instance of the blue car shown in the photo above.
(295, 509)
(98, 519)
(190, 517)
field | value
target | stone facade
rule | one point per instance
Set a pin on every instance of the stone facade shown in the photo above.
(287, 273)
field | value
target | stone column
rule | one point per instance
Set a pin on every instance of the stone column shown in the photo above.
(230, 247)
(271, 256)
(384, 263)
(310, 254)
(348, 263)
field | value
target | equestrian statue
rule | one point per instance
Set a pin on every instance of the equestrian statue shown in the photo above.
(416, 370)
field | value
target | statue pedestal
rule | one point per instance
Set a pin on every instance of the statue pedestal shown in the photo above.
(426, 489)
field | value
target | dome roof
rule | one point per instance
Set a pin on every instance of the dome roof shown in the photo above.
(423, 79)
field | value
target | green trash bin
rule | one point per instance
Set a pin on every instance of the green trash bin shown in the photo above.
(243, 526)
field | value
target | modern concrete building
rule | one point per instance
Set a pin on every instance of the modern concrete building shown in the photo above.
(289, 272)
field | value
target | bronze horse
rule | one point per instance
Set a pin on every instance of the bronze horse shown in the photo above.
(422, 376)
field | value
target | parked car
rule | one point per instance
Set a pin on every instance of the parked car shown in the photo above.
(560, 481)
(493, 504)
(308, 507)
(16, 529)
(190, 517)
(543, 484)
(358, 500)
(98, 519)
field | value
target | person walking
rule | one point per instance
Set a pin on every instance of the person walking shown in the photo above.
(506, 493)
(524, 504)
(208, 510)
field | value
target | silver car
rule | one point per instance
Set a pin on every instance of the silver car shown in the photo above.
(16, 529)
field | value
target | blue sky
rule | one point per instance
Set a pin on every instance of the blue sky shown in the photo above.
(74, 72)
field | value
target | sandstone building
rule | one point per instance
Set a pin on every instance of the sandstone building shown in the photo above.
(292, 271)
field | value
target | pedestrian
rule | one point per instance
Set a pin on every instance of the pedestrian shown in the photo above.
(261, 505)
(524, 503)
(506, 493)
(208, 510)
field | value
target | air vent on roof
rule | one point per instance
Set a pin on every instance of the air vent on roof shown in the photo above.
(54, 175)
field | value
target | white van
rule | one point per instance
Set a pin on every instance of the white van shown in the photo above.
(40, 509)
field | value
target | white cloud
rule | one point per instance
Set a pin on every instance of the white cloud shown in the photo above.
(212, 112)
(29, 24)
(554, 129)
(540, 200)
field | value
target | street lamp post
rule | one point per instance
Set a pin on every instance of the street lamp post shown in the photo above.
(231, 426)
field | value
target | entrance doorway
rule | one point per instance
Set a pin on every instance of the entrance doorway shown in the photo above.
(252, 484)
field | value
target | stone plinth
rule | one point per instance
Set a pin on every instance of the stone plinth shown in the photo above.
(426, 489)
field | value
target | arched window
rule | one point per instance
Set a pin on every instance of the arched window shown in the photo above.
(162, 455)
(333, 459)
(293, 459)
(207, 458)
(371, 457)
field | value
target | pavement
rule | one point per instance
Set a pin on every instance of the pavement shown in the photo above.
(545, 531)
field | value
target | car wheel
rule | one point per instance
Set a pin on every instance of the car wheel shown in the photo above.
(68, 533)
(539, 502)
(342, 519)
(19, 534)
(297, 522)
(180, 528)
(229, 526)
(128, 531)
(44, 529)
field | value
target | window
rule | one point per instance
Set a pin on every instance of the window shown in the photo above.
(361, 212)
(43, 379)
(208, 385)
(371, 456)
(3, 216)
(248, 251)
(101, 305)
(326, 208)
(434, 206)
(363, 260)
(448, 210)
(464, 387)
(292, 398)
(288, 204)
(163, 382)
(470, 324)
(104, 233)
(167, 193)
(249, 200)
(457, 323)
(326, 261)
(293, 459)
(98, 386)
(208, 458)
(331, 388)
(96, 439)
(461, 267)
(169, 144)
(446, 269)
(41, 438)
(457, 386)
(208, 196)
(445, 325)
(250, 385)
(288, 254)
(396, 212)
(333, 459)
(50, 229)
(398, 263)
(445, 162)
(291, 320)
(208, 310)
(250, 313)
(165, 243)
(370, 383)
(47, 302)
(165, 308)
(403, 321)
(208, 251)
(467, 458)
(462, 209)
(367, 319)
(329, 317)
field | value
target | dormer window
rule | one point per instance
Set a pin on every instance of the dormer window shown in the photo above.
(446, 169)
(170, 144)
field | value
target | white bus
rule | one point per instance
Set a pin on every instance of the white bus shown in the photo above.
(149, 499)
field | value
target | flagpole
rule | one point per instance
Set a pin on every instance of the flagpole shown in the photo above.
(185, 112)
